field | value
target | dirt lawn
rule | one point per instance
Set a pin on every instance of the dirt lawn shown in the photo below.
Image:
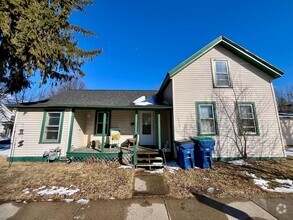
(40, 181)
(91, 181)
(229, 180)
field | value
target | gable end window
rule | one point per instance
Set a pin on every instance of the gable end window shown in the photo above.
(52, 127)
(221, 73)
(247, 119)
(206, 118)
(99, 122)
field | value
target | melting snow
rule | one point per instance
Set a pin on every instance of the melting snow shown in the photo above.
(158, 171)
(125, 166)
(68, 200)
(172, 166)
(82, 201)
(289, 152)
(143, 102)
(56, 190)
(239, 162)
(286, 188)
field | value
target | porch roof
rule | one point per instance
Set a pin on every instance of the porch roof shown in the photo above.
(106, 99)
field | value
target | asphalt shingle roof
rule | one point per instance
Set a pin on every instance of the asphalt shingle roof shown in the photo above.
(94, 98)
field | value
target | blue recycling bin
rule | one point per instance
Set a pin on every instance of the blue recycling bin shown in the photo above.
(203, 147)
(185, 154)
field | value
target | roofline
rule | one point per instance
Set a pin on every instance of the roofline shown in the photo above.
(149, 107)
(233, 47)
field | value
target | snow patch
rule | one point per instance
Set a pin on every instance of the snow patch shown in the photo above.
(158, 171)
(26, 191)
(289, 152)
(125, 166)
(68, 200)
(82, 201)
(286, 188)
(56, 190)
(142, 101)
(238, 162)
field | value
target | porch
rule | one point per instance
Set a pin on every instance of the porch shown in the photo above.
(148, 129)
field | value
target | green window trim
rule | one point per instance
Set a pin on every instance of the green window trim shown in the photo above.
(198, 118)
(41, 140)
(109, 123)
(254, 115)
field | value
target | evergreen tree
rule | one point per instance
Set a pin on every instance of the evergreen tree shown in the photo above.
(37, 38)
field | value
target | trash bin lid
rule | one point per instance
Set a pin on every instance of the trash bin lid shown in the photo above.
(201, 138)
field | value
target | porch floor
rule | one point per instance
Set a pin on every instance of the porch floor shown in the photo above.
(114, 150)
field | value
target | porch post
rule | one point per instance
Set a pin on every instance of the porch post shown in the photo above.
(136, 138)
(159, 130)
(70, 130)
(104, 131)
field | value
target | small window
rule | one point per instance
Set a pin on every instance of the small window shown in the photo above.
(247, 119)
(52, 127)
(221, 73)
(207, 124)
(99, 122)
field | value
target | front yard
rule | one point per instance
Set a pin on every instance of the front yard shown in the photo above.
(75, 181)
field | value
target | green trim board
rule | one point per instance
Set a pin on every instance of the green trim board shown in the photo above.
(96, 118)
(159, 131)
(41, 141)
(255, 118)
(71, 130)
(104, 131)
(197, 104)
(27, 159)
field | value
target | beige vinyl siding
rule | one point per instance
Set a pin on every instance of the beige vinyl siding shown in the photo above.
(30, 120)
(287, 130)
(121, 119)
(78, 132)
(195, 83)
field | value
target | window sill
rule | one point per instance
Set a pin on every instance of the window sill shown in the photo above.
(223, 87)
(207, 134)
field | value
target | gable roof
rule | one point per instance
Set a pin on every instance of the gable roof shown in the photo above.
(238, 50)
(94, 99)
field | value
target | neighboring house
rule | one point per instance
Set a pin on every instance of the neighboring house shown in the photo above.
(286, 121)
(223, 91)
(6, 121)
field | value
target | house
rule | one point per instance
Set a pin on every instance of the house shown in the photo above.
(6, 121)
(286, 121)
(223, 91)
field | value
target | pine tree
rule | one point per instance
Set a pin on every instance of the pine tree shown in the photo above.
(37, 38)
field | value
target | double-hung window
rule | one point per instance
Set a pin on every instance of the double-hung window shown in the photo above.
(206, 119)
(247, 119)
(221, 73)
(52, 127)
(99, 122)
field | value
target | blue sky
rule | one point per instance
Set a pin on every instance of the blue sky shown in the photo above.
(143, 39)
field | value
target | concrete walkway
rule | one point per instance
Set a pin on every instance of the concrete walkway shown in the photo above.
(153, 208)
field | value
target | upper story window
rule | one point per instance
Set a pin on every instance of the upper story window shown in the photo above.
(99, 122)
(206, 118)
(52, 127)
(247, 119)
(221, 73)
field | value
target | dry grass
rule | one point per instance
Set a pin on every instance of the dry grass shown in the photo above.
(103, 181)
(229, 180)
(95, 180)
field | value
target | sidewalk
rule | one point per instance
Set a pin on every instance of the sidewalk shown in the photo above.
(153, 208)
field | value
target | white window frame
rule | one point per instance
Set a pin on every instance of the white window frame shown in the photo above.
(253, 118)
(101, 123)
(213, 118)
(214, 61)
(45, 140)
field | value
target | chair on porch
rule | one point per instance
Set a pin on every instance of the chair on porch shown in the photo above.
(114, 137)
